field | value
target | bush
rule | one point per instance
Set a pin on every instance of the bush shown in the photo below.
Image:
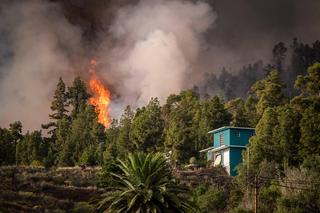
(241, 210)
(193, 160)
(88, 157)
(36, 163)
(211, 199)
(82, 207)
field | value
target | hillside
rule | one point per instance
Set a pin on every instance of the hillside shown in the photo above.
(35, 189)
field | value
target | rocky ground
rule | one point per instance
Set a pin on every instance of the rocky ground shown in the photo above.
(35, 189)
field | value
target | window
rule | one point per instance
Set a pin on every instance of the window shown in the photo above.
(238, 134)
(221, 140)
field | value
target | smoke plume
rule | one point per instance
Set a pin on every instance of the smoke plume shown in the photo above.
(144, 48)
(156, 48)
(36, 43)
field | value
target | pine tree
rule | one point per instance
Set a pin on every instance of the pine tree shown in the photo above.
(66, 156)
(239, 116)
(262, 146)
(310, 84)
(77, 95)
(112, 151)
(212, 114)
(279, 53)
(287, 134)
(180, 137)
(7, 148)
(269, 92)
(85, 131)
(124, 142)
(32, 149)
(310, 137)
(147, 127)
(251, 110)
(58, 106)
(62, 133)
(9, 139)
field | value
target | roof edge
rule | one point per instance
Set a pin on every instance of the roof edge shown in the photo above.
(229, 127)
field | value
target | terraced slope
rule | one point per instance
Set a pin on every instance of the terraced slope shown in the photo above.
(30, 189)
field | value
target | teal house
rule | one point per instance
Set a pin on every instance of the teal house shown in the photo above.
(228, 143)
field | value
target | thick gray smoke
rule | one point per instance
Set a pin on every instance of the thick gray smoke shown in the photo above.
(247, 30)
(35, 42)
(157, 48)
(145, 48)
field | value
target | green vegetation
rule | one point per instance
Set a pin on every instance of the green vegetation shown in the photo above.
(143, 183)
(280, 169)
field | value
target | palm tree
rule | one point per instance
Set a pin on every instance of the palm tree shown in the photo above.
(144, 184)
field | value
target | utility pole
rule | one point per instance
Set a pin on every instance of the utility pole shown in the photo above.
(247, 177)
(256, 185)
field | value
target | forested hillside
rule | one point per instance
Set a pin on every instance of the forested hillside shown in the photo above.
(281, 100)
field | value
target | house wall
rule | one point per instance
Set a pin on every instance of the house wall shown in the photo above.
(226, 160)
(216, 138)
(241, 140)
(235, 159)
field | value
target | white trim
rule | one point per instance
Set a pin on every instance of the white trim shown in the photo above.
(207, 149)
(212, 149)
(229, 127)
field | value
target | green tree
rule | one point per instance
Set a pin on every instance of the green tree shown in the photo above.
(213, 115)
(31, 149)
(7, 147)
(147, 127)
(85, 131)
(279, 53)
(66, 156)
(287, 135)
(212, 199)
(251, 110)
(301, 192)
(310, 137)
(9, 139)
(262, 146)
(77, 95)
(237, 109)
(269, 92)
(16, 131)
(59, 107)
(111, 151)
(124, 141)
(180, 137)
(143, 184)
(62, 133)
(88, 156)
(50, 159)
(308, 104)
(310, 84)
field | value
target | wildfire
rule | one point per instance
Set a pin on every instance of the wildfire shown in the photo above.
(101, 96)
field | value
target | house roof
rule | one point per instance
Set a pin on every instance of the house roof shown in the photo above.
(229, 127)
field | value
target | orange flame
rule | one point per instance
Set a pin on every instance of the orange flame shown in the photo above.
(101, 97)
